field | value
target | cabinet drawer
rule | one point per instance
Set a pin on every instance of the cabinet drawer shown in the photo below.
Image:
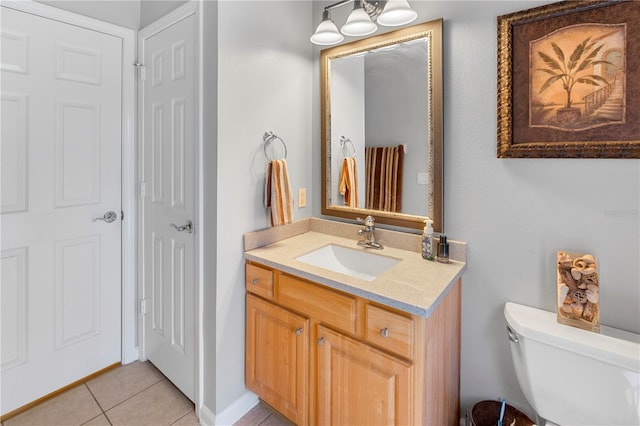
(330, 307)
(259, 280)
(389, 330)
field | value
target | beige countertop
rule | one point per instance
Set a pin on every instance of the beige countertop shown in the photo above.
(414, 285)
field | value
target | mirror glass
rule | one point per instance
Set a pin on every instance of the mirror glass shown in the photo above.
(382, 127)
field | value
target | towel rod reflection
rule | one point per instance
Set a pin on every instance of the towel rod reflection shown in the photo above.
(269, 137)
(343, 143)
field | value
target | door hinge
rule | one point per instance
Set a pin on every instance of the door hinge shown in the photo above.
(141, 70)
(121, 215)
(143, 306)
(143, 189)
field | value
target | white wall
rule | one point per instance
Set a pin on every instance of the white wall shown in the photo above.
(134, 14)
(152, 10)
(125, 13)
(264, 83)
(348, 118)
(397, 107)
(516, 213)
(209, 200)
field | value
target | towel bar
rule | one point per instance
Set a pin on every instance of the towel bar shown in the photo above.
(343, 144)
(268, 137)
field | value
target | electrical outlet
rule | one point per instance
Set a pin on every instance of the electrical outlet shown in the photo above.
(302, 197)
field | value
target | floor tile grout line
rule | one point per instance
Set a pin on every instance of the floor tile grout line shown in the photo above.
(264, 420)
(93, 418)
(121, 402)
(178, 419)
(181, 417)
(124, 400)
(134, 395)
(86, 384)
(104, 411)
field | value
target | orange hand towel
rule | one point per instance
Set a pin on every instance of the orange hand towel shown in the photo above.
(278, 194)
(349, 182)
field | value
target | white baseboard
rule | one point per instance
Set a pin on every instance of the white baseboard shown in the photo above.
(231, 414)
(237, 409)
(206, 416)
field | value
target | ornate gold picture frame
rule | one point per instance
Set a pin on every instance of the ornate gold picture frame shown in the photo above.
(569, 81)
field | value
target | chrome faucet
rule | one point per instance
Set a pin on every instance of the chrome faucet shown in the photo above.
(368, 232)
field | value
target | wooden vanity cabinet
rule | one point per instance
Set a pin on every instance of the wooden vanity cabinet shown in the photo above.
(277, 357)
(359, 385)
(323, 357)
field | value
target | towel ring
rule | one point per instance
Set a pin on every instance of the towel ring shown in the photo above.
(343, 143)
(269, 137)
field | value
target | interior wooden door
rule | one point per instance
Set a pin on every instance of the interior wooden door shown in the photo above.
(277, 358)
(359, 385)
(61, 204)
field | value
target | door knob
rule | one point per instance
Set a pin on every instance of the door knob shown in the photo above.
(108, 217)
(186, 227)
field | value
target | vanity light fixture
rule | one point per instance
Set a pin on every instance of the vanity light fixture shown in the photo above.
(361, 20)
(327, 32)
(396, 13)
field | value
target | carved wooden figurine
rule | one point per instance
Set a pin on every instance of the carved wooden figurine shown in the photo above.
(578, 291)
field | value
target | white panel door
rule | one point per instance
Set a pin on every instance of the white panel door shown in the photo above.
(60, 169)
(169, 174)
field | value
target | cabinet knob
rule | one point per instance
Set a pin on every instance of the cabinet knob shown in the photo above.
(255, 281)
(321, 341)
(298, 331)
(384, 332)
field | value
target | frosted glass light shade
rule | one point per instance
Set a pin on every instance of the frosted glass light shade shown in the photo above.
(397, 12)
(359, 22)
(326, 33)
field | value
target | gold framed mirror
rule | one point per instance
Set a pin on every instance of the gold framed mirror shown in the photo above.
(382, 127)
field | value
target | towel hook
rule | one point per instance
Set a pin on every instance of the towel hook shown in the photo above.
(343, 143)
(268, 137)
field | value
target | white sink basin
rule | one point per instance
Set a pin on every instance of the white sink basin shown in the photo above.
(353, 262)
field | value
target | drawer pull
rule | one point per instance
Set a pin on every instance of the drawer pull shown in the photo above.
(321, 341)
(255, 281)
(384, 332)
(298, 331)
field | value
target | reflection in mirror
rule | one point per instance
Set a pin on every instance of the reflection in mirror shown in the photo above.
(382, 127)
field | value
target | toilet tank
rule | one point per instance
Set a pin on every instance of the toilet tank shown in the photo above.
(572, 376)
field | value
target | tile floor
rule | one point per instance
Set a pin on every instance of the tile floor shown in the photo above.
(263, 415)
(133, 394)
(136, 394)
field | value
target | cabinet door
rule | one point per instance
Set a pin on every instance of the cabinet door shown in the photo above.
(359, 385)
(277, 358)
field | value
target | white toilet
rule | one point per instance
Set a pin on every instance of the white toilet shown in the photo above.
(572, 376)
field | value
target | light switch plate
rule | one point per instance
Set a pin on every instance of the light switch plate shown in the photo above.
(421, 178)
(302, 197)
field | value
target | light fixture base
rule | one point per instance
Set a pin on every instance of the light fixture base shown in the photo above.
(373, 7)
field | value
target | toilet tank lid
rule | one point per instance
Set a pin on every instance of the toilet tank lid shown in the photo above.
(611, 345)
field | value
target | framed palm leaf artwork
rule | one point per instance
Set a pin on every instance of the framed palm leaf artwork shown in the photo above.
(569, 81)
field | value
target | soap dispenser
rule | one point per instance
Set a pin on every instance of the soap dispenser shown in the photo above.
(427, 240)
